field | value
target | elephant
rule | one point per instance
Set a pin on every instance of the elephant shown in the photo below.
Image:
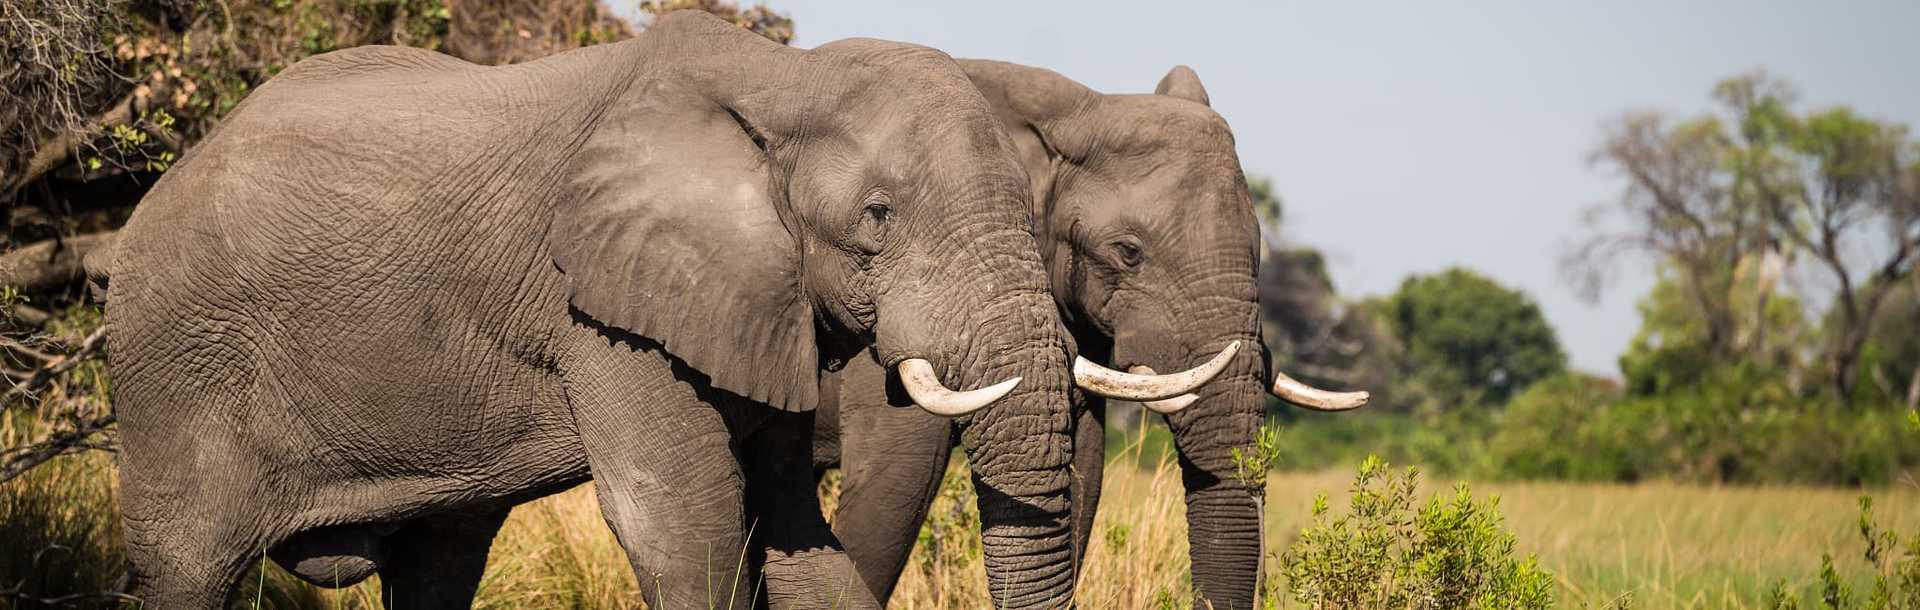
(396, 294)
(1149, 239)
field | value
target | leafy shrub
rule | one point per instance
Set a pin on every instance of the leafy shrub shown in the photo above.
(1452, 552)
(1734, 425)
(1896, 578)
(1448, 443)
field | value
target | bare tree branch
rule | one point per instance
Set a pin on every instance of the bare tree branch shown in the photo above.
(89, 348)
(50, 263)
(19, 460)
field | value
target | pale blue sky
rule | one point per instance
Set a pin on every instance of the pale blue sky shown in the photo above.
(1409, 137)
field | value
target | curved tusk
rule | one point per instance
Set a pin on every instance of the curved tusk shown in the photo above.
(927, 391)
(1164, 407)
(1128, 386)
(1293, 391)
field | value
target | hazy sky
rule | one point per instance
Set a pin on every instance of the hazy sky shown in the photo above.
(1406, 138)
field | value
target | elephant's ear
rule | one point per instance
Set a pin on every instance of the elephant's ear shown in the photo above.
(669, 233)
(1182, 83)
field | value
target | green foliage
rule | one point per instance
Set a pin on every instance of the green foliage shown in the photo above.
(1452, 443)
(1540, 434)
(1739, 424)
(1896, 573)
(1467, 340)
(1452, 552)
(1675, 345)
(1267, 205)
(1728, 201)
(1890, 358)
(1250, 464)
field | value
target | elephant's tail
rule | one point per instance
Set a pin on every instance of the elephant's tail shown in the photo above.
(99, 266)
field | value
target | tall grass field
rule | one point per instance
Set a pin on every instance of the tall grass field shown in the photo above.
(1653, 545)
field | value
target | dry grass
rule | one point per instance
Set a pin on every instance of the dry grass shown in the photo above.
(1667, 545)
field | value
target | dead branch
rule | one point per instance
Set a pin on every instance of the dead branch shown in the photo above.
(23, 349)
(89, 348)
(19, 460)
(50, 263)
(57, 150)
(28, 315)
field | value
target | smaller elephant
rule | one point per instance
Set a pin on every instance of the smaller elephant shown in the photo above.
(396, 294)
(1148, 236)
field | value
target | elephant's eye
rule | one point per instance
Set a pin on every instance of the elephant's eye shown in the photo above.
(1127, 252)
(878, 211)
(870, 229)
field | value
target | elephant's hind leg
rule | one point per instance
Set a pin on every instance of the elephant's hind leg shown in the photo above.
(436, 562)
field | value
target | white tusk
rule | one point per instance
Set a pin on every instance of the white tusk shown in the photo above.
(1128, 386)
(1291, 390)
(927, 391)
(1164, 407)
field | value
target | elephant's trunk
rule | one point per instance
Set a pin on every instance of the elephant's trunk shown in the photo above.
(1224, 503)
(1019, 452)
(1018, 446)
(1225, 495)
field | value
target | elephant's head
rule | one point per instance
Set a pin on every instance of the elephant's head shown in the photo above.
(1148, 232)
(763, 212)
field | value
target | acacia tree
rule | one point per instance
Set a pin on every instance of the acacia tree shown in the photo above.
(1756, 189)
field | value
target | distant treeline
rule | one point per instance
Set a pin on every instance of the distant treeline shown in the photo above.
(1780, 343)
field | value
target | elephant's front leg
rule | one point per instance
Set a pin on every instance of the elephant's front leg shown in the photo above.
(1089, 464)
(669, 482)
(805, 567)
(892, 458)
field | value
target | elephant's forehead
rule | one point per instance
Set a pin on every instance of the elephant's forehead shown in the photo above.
(1141, 124)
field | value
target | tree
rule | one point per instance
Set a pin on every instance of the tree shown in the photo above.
(1268, 209)
(1307, 327)
(1759, 185)
(1674, 346)
(1890, 360)
(1467, 340)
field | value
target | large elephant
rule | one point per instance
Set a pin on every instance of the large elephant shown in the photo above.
(396, 294)
(1149, 239)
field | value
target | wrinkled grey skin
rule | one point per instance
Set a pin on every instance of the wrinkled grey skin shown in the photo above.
(1150, 241)
(397, 294)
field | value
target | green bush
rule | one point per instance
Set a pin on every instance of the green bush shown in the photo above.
(1733, 425)
(1452, 552)
(1449, 443)
(1896, 573)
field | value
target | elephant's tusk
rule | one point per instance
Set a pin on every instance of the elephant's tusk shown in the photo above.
(928, 392)
(1128, 386)
(1164, 407)
(1293, 391)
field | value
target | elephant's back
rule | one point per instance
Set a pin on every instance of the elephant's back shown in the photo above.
(382, 188)
(374, 153)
